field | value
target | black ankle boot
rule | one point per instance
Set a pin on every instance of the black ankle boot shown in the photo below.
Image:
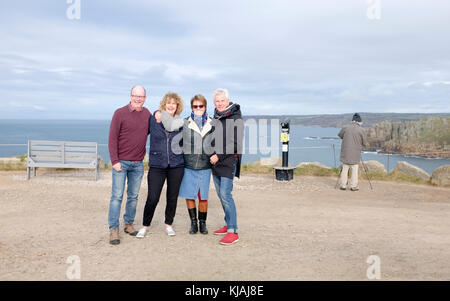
(193, 216)
(202, 220)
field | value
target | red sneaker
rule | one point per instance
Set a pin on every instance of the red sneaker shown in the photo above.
(221, 231)
(229, 239)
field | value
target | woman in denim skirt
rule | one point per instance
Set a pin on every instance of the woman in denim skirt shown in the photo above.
(197, 139)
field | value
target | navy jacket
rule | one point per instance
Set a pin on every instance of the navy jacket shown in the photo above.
(161, 154)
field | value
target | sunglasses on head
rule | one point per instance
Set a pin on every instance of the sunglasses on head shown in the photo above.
(198, 106)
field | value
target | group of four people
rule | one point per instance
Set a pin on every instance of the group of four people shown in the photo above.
(183, 153)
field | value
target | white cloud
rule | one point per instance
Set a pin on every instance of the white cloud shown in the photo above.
(321, 57)
(430, 84)
(16, 104)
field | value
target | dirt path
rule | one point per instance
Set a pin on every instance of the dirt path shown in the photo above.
(301, 230)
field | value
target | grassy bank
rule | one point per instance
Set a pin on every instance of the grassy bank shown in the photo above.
(19, 163)
(312, 170)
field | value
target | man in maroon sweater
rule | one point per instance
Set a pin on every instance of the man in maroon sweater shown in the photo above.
(127, 139)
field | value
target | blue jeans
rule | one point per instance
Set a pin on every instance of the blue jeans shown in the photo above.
(134, 172)
(224, 187)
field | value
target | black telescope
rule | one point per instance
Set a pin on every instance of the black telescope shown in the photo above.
(284, 138)
(284, 172)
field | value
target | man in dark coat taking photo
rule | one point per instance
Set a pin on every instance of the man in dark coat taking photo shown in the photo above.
(353, 139)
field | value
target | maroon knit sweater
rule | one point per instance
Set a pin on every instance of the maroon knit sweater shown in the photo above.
(128, 134)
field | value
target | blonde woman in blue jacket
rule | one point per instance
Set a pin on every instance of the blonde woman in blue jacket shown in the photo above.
(166, 162)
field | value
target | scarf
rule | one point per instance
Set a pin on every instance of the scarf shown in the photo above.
(224, 113)
(199, 120)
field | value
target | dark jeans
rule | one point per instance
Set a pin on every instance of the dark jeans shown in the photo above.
(156, 178)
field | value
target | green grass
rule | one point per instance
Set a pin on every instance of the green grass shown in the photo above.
(395, 176)
(311, 170)
(256, 168)
(398, 176)
(12, 166)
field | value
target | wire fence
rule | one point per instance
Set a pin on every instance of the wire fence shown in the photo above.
(332, 147)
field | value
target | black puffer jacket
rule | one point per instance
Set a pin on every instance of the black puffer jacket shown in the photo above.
(228, 133)
(197, 145)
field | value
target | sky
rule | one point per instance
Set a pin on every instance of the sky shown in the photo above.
(78, 59)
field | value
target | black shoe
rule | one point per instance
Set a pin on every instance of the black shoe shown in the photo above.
(202, 220)
(342, 188)
(193, 216)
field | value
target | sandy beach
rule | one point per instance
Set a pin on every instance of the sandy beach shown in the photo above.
(299, 230)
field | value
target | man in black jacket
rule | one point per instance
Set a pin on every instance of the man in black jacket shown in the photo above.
(226, 161)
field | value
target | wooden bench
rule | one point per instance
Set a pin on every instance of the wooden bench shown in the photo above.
(62, 154)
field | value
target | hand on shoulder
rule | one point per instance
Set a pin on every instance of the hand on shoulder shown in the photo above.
(157, 115)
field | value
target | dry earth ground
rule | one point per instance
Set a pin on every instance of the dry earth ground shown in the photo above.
(300, 230)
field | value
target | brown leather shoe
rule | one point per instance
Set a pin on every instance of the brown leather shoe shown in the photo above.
(130, 229)
(114, 238)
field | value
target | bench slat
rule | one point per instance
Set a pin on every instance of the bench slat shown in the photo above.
(45, 148)
(58, 159)
(80, 144)
(81, 160)
(68, 143)
(44, 159)
(35, 153)
(80, 155)
(45, 142)
(39, 161)
(80, 149)
(60, 165)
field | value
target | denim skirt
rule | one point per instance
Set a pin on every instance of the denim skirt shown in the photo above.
(193, 180)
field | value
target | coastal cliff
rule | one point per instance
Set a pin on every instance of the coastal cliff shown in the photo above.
(340, 120)
(428, 137)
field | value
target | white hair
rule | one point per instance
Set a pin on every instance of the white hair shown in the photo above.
(221, 91)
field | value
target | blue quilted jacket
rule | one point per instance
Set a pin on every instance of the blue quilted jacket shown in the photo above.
(162, 154)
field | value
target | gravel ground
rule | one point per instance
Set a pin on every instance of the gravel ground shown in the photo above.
(299, 230)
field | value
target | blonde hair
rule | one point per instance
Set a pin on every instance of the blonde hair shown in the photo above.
(174, 96)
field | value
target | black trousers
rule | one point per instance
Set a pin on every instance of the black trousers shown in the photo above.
(156, 178)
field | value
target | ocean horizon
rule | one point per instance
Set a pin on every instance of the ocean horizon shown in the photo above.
(307, 144)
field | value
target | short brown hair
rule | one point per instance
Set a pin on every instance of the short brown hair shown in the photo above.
(174, 96)
(200, 98)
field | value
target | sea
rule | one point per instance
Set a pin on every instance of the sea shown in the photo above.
(306, 144)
